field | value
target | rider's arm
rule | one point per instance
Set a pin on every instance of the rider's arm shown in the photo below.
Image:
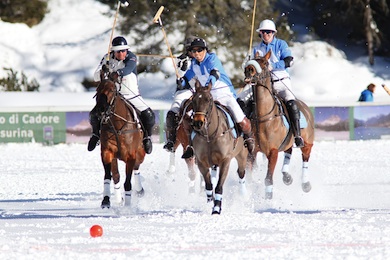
(130, 65)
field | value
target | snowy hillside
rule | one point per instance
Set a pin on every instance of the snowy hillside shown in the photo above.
(67, 46)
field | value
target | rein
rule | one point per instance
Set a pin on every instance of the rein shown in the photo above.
(205, 134)
(268, 116)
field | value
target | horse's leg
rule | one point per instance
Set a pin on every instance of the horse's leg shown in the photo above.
(269, 182)
(107, 183)
(116, 178)
(127, 185)
(191, 173)
(214, 178)
(306, 150)
(223, 172)
(207, 179)
(137, 182)
(287, 179)
(171, 166)
(242, 162)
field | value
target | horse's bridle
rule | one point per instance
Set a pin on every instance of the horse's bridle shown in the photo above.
(207, 122)
(255, 79)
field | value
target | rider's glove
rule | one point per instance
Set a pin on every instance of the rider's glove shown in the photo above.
(105, 68)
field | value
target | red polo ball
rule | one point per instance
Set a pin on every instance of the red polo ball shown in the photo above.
(96, 231)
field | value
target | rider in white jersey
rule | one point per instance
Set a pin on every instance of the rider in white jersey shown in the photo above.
(123, 62)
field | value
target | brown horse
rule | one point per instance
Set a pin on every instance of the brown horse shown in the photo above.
(271, 133)
(214, 144)
(120, 138)
(182, 138)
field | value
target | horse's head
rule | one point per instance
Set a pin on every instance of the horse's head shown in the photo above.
(202, 103)
(257, 68)
(105, 93)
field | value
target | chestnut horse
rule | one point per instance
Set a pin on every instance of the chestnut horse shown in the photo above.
(120, 138)
(182, 138)
(269, 127)
(214, 144)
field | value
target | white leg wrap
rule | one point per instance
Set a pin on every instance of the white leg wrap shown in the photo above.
(128, 198)
(137, 180)
(286, 162)
(106, 188)
(209, 192)
(242, 186)
(305, 169)
(218, 197)
(117, 192)
(269, 188)
(172, 167)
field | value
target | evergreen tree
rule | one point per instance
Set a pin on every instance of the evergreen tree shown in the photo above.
(224, 24)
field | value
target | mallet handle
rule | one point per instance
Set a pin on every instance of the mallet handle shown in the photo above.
(386, 89)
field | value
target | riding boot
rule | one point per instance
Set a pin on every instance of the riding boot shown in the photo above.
(294, 114)
(172, 121)
(95, 123)
(246, 128)
(148, 119)
(246, 107)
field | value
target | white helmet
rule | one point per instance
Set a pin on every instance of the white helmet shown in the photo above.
(267, 25)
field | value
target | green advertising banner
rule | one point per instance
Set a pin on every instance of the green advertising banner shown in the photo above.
(40, 127)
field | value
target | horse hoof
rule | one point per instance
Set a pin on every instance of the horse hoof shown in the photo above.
(306, 187)
(268, 195)
(140, 193)
(106, 203)
(287, 179)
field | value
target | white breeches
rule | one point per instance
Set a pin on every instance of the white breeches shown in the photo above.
(129, 89)
(179, 98)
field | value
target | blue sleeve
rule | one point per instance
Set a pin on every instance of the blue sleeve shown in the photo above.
(190, 72)
(282, 48)
(130, 65)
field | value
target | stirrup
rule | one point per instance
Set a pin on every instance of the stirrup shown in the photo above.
(169, 147)
(188, 153)
(148, 146)
(93, 142)
(299, 142)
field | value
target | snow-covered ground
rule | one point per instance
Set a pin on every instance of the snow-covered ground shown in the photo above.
(51, 195)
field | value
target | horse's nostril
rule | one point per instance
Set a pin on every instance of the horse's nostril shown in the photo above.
(198, 124)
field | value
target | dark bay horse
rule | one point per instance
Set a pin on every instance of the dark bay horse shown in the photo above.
(268, 124)
(120, 138)
(214, 144)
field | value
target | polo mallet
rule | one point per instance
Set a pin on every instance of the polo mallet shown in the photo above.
(157, 19)
(386, 89)
(253, 23)
(125, 3)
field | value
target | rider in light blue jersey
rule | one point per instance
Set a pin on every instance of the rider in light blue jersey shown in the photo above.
(207, 68)
(281, 59)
